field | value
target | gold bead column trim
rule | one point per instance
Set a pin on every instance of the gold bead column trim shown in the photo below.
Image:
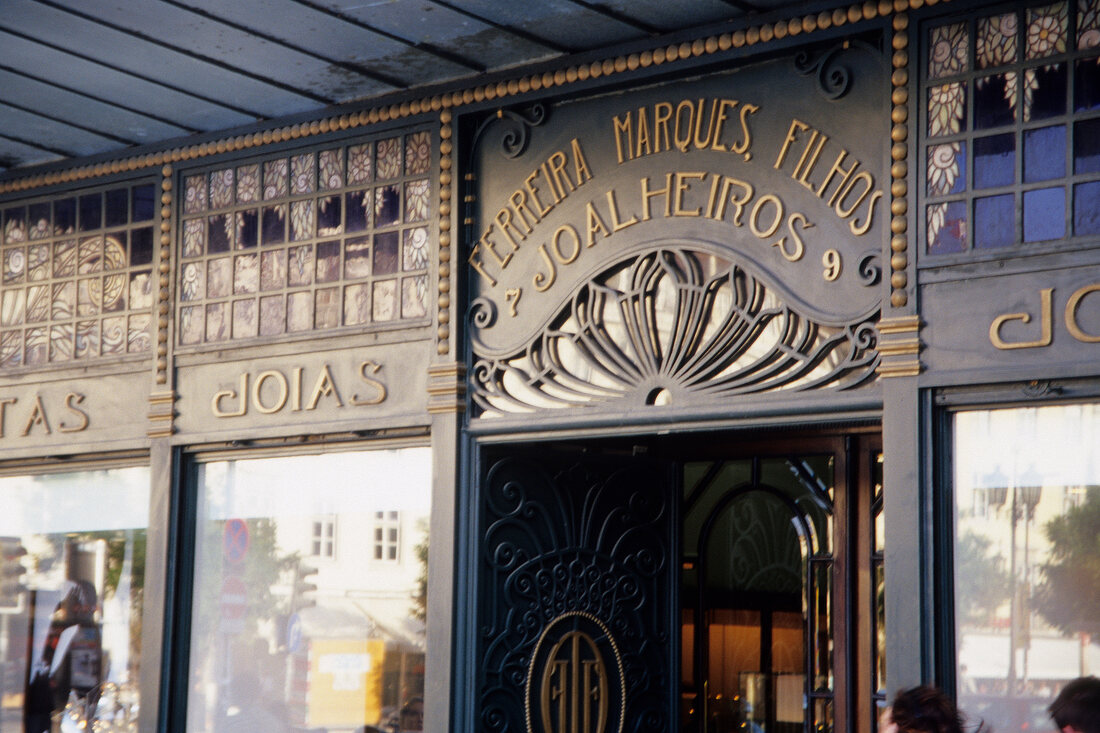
(443, 304)
(657, 56)
(899, 169)
(162, 402)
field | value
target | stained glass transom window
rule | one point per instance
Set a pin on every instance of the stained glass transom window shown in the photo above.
(77, 277)
(306, 241)
(1011, 128)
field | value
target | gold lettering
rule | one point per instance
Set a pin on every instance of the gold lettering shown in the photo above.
(518, 199)
(754, 217)
(720, 123)
(861, 176)
(794, 254)
(325, 387)
(861, 229)
(553, 189)
(257, 388)
(647, 195)
(1046, 325)
(712, 197)
(541, 281)
(726, 198)
(38, 417)
(616, 224)
(832, 172)
(681, 188)
(580, 165)
(504, 219)
(570, 258)
(296, 390)
(792, 135)
(743, 146)
(557, 163)
(662, 112)
(643, 146)
(705, 142)
(376, 385)
(683, 142)
(478, 265)
(72, 400)
(231, 394)
(619, 127)
(533, 192)
(1072, 325)
(595, 224)
(3, 409)
(802, 173)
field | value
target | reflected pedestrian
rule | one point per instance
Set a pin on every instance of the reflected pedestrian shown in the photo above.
(921, 709)
(1077, 707)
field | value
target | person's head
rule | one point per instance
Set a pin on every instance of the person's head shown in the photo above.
(922, 709)
(412, 715)
(1077, 707)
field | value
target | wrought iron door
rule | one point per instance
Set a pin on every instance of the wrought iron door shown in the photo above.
(574, 594)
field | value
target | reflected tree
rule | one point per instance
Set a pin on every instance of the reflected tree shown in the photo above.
(1071, 578)
(984, 583)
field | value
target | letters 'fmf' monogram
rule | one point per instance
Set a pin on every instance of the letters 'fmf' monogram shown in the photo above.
(570, 688)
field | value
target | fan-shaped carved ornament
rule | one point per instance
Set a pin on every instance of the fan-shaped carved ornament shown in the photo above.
(673, 325)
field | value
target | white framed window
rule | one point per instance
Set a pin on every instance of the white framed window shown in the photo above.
(323, 542)
(387, 536)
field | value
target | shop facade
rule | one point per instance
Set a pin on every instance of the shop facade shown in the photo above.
(723, 381)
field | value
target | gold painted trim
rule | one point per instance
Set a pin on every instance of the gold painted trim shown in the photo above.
(907, 369)
(164, 293)
(903, 324)
(443, 303)
(162, 414)
(756, 34)
(447, 388)
(899, 170)
(900, 348)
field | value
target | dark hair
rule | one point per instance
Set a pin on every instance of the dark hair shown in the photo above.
(1078, 704)
(925, 709)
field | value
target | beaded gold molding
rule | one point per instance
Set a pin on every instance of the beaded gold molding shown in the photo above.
(899, 170)
(899, 345)
(443, 304)
(763, 33)
(164, 292)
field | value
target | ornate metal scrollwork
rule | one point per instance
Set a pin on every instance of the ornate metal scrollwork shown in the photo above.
(515, 128)
(834, 79)
(869, 268)
(680, 323)
(576, 539)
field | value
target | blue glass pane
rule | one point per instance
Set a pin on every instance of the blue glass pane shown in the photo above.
(118, 202)
(992, 107)
(1086, 208)
(995, 161)
(91, 212)
(947, 168)
(1086, 85)
(142, 203)
(947, 228)
(1048, 98)
(1044, 214)
(1044, 154)
(994, 222)
(1086, 146)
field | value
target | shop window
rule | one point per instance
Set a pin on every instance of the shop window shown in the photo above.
(77, 278)
(1011, 104)
(279, 639)
(1026, 618)
(387, 536)
(306, 241)
(323, 543)
(72, 574)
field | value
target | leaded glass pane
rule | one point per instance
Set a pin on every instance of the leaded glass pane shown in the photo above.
(275, 179)
(221, 188)
(947, 229)
(946, 109)
(248, 184)
(413, 296)
(1044, 154)
(418, 154)
(245, 320)
(1044, 92)
(1088, 23)
(1044, 214)
(994, 221)
(272, 315)
(389, 158)
(415, 249)
(995, 100)
(1047, 28)
(385, 300)
(948, 47)
(947, 168)
(302, 174)
(217, 324)
(1086, 208)
(357, 304)
(331, 169)
(996, 41)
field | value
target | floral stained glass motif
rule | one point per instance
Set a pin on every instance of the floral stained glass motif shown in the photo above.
(996, 40)
(1047, 29)
(304, 241)
(1002, 130)
(949, 45)
(64, 295)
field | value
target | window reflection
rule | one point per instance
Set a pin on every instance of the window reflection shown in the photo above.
(1027, 508)
(309, 593)
(71, 588)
